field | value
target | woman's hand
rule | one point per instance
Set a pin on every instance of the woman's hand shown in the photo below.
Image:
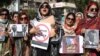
(34, 30)
(83, 30)
(25, 38)
(98, 48)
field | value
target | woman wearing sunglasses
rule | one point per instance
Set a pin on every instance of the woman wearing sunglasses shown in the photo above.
(16, 41)
(43, 13)
(90, 21)
(24, 19)
(5, 48)
(69, 27)
(70, 24)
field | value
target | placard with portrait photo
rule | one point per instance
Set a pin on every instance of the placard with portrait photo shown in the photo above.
(18, 30)
(91, 38)
(2, 32)
(71, 45)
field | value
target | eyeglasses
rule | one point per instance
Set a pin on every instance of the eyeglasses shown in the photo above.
(24, 18)
(3, 14)
(44, 6)
(71, 19)
(92, 9)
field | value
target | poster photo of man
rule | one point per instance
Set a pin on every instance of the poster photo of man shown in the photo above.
(91, 38)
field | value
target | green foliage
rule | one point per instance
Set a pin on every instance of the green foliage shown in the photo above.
(5, 2)
(81, 4)
(31, 13)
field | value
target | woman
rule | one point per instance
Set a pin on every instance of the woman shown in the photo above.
(44, 12)
(70, 24)
(69, 28)
(15, 20)
(15, 17)
(5, 20)
(91, 21)
(79, 16)
(26, 40)
(16, 41)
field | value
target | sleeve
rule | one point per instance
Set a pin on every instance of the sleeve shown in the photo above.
(79, 27)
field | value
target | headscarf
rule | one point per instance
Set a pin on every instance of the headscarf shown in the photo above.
(88, 23)
(88, 6)
(70, 30)
(49, 12)
(39, 16)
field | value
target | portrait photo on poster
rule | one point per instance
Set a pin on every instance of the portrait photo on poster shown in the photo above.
(2, 30)
(91, 38)
(71, 44)
(18, 30)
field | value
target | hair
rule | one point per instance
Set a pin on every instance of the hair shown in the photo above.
(72, 15)
(5, 10)
(12, 17)
(92, 3)
(14, 14)
(49, 13)
(24, 14)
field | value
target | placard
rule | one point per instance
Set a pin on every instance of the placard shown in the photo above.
(18, 30)
(2, 32)
(71, 45)
(41, 39)
(91, 38)
(50, 20)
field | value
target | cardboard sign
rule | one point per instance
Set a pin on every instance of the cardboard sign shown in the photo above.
(2, 32)
(18, 30)
(71, 45)
(49, 20)
(41, 39)
(91, 38)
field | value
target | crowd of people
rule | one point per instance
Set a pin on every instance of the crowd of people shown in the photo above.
(74, 24)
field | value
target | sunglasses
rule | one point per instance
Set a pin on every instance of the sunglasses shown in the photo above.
(3, 14)
(71, 19)
(44, 6)
(92, 9)
(24, 18)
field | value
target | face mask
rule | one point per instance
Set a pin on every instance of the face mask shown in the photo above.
(3, 20)
(91, 15)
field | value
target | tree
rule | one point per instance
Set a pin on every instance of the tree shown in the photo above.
(5, 2)
(81, 4)
(32, 13)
